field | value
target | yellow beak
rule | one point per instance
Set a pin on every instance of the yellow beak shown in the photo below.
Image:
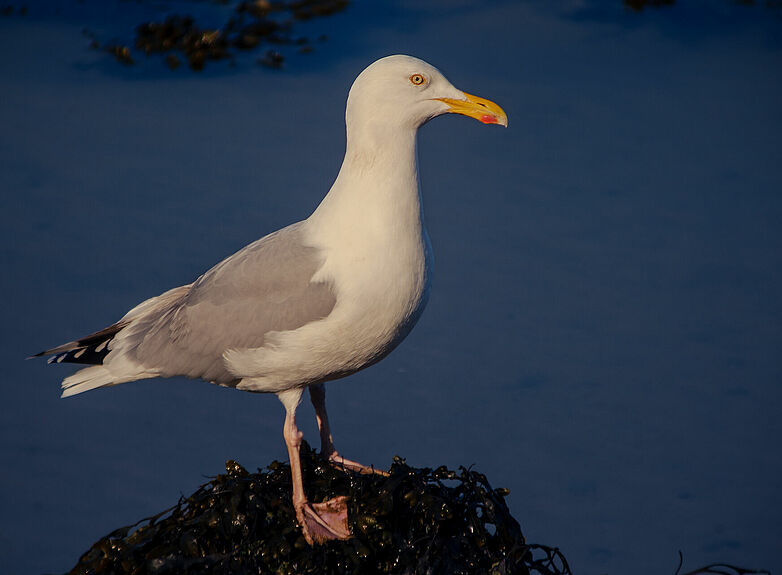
(481, 109)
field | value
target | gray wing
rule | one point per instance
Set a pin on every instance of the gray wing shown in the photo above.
(267, 286)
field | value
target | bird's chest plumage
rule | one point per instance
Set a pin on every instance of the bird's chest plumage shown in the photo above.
(382, 284)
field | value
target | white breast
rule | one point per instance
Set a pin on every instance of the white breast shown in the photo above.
(381, 274)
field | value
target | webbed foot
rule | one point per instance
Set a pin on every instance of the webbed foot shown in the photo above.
(321, 522)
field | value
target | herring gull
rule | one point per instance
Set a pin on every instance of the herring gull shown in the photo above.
(314, 301)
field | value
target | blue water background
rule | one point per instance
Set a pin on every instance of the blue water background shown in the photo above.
(603, 336)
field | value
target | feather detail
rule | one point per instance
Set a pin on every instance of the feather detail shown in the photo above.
(90, 350)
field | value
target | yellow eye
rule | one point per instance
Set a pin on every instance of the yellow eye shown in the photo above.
(417, 79)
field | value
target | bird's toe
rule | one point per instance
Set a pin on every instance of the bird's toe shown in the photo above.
(336, 459)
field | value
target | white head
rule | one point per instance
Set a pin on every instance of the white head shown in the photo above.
(405, 92)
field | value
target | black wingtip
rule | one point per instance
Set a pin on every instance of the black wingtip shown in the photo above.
(88, 350)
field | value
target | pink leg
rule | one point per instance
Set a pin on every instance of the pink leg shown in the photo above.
(319, 521)
(318, 397)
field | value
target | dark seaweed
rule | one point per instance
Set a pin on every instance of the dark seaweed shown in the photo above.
(414, 521)
(251, 25)
(433, 521)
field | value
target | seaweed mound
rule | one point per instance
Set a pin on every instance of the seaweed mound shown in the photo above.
(412, 521)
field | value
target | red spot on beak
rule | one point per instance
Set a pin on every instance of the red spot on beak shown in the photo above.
(489, 119)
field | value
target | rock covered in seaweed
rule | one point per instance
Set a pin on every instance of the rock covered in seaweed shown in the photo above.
(413, 521)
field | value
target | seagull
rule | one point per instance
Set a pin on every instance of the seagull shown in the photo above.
(312, 302)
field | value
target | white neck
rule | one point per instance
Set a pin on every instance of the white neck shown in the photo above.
(377, 185)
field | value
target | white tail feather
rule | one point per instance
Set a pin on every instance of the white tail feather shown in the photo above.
(87, 379)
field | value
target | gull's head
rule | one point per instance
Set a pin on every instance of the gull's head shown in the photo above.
(407, 92)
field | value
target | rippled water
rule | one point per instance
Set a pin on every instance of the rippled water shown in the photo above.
(604, 332)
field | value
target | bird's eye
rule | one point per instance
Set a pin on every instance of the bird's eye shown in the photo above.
(417, 79)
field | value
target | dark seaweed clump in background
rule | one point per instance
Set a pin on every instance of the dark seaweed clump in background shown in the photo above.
(413, 521)
(251, 25)
(639, 5)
